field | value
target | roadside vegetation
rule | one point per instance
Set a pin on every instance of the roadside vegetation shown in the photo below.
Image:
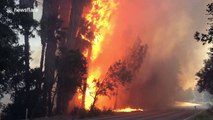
(206, 115)
(82, 113)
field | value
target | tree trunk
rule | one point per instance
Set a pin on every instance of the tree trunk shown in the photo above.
(27, 68)
(48, 27)
(84, 94)
(26, 29)
(49, 73)
(74, 11)
(95, 99)
(116, 99)
(85, 82)
(42, 56)
(75, 19)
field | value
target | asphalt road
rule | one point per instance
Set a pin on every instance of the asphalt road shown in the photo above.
(174, 114)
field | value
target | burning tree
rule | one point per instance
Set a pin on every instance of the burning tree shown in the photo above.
(92, 31)
(61, 35)
(136, 55)
(66, 27)
(120, 73)
(62, 31)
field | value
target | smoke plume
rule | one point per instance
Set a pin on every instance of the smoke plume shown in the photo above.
(167, 27)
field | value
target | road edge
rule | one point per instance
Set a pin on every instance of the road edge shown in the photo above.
(192, 116)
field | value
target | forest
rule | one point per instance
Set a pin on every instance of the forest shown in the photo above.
(68, 49)
(75, 74)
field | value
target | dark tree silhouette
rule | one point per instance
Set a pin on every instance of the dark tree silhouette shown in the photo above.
(15, 110)
(49, 24)
(26, 25)
(11, 59)
(206, 38)
(136, 55)
(205, 75)
(11, 53)
(17, 79)
(73, 67)
(52, 28)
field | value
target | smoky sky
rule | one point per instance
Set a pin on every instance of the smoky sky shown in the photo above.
(167, 27)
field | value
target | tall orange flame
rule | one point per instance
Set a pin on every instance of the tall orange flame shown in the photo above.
(98, 16)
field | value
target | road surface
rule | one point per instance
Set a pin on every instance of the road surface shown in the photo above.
(175, 114)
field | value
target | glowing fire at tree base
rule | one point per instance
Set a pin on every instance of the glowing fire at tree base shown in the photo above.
(128, 109)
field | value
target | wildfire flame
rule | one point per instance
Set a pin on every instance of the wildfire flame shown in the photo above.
(91, 88)
(98, 18)
(128, 109)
